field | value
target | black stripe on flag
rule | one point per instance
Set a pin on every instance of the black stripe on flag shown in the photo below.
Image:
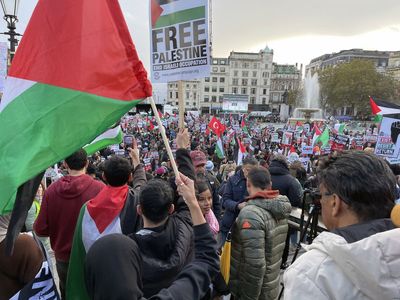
(163, 2)
(382, 103)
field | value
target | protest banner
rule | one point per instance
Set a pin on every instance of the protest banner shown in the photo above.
(358, 143)
(179, 40)
(388, 144)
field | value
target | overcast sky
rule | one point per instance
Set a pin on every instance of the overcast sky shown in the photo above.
(297, 30)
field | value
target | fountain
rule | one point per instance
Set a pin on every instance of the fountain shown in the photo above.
(311, 111)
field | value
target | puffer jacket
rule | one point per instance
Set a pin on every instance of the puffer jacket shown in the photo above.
(334, 267)
(285, 183)
(258, 240)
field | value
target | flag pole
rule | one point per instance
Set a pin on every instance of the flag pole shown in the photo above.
(181, 105)
(164, 137)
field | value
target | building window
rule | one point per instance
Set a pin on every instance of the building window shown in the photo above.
(252, 100)
(194, 103)
(176, 95)
(253, 91)
(246, 65)
(220, 98)
(187, 103)
(254, 73)
(223, 62)
(207, 79)
(265, 82)
(235, 81)
(244, 91)
(206, 88)
(264, 101)
(221, 90)
(214, 98)
(171, 85)
(236, 73)
(215, 69)
(214, 89)
(215, 62)
(222, 69)
(215, 79)
(187, 95)
(234, 90)
(176, 85)
(245, 73)
(176, 103)
(244, 81)
(187, 86)
(265, 74)
(206, 99)
(222, 79)
(255, 65)
(170, 95)
(194, 95)
(195, 86)
(264, 91)
(254, 82)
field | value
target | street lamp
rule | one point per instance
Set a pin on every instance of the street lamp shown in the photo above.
(10, 10)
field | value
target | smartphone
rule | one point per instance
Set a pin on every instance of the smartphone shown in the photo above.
(128, 141)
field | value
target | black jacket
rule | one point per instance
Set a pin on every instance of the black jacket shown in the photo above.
(117, 276)
(285, 183)
(214, 183)
(166, 250)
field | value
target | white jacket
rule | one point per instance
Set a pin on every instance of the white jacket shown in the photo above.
(333, 269)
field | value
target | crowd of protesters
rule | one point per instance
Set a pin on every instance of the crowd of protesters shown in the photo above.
(122, 225)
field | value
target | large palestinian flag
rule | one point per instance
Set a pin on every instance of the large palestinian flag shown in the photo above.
(380, 108)
(75, 73)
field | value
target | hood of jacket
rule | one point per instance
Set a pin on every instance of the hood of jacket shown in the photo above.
(73, 186)
(279, 206)
(278, 168)
(165, 251)
(371, 264)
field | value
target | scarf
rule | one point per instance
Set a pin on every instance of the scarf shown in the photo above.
(266, 194)
(212, 222)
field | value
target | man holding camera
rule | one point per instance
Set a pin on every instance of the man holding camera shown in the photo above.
(359, 258)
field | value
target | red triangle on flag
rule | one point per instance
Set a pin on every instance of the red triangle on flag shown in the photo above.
(156, 11)
(375, 108)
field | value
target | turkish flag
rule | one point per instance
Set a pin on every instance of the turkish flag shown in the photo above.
(216, 126)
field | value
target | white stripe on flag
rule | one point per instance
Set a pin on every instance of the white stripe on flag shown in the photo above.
(175, 6)
(90, 233)
(13, 88)
(109, 134)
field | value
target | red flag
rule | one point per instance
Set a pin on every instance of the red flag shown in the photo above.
(216, 126)
(207, 131)
(292, 149)
(375, 108)
(160, 114)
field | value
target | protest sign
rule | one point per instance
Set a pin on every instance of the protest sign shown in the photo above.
(358, 143)
(275, 138)
(340, 142)
(287, 138)
(179, 40)
(306, 149)
(388, 144)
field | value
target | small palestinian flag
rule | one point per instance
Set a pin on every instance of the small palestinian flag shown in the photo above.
(110, 137)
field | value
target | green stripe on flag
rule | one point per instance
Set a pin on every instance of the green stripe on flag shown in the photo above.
(181, 16)
(110, 137)
(51, 123)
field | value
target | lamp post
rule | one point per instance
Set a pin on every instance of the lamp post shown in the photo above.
(10, 10)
